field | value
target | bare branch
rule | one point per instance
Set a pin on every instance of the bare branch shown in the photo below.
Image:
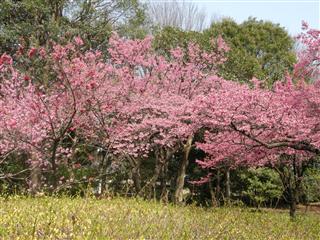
(184, 15)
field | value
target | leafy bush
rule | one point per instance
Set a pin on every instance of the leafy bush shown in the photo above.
(311, 185)
(261, 186)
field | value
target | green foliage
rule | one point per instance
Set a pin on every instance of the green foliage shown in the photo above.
(259, 49)
(311, 185)
(170, 37)
(14, 173)
(261, 186)
(29, 21)
(35, 22)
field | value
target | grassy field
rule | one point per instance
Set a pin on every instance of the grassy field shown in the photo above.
(65, 218)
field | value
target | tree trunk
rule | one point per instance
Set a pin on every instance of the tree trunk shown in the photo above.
(292, 199)
(162, 157)
(293, 205)
(35, 178)
(136, 176)
(178, 195)
(291, 177)
(54, 164)
(228, 188)
(164, 190)
(214, 201)
(218, 190)
(298, 170)
(103, 169)
(150, 185)
(57, 11)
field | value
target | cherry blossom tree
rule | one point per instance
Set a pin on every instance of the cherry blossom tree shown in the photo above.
(133, 105)
(308, 57)
(37, 118)
(260, 127)
(149, 102)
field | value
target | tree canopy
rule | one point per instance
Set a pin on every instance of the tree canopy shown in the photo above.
(258, 48)
(36, 22)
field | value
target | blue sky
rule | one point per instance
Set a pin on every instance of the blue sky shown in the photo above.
(288, 14)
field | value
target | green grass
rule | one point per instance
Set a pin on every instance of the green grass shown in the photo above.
(65, 218)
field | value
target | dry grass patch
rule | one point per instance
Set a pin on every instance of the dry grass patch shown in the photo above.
(119, 218)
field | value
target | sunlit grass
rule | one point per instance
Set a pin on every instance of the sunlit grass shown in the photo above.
(119, 218)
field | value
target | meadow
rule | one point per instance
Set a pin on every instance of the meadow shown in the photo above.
(121, 218)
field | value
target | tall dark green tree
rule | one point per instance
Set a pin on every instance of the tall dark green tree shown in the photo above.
(259, 49)
(34, 22)
(171, 37)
